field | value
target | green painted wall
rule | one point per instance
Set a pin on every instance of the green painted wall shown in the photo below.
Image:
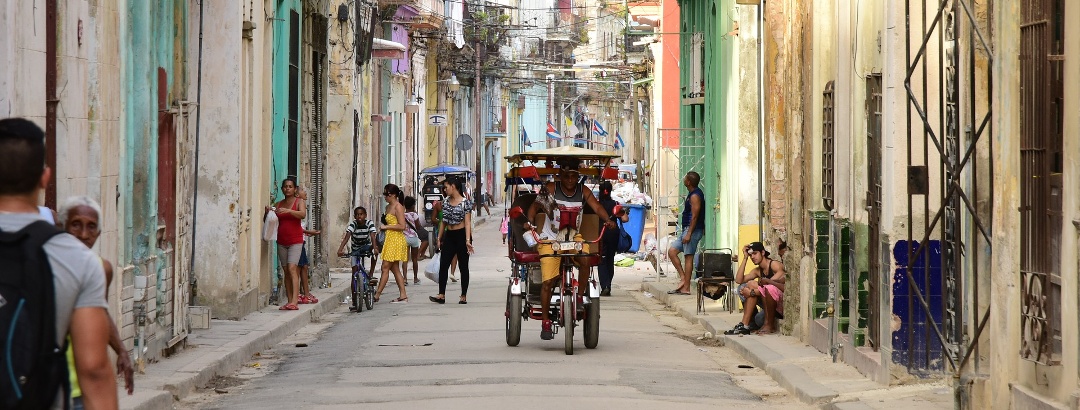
(704, 139)
(280, 134)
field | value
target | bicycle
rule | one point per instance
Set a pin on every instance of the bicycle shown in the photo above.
(363, 292)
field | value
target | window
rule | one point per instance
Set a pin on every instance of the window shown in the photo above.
(1041, 164)
(828, 148)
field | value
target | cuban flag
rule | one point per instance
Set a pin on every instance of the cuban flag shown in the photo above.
(525, 137)
(619, 143)
(552, 133)
(598, 129)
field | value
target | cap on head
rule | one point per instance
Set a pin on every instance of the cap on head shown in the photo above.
(758, 247)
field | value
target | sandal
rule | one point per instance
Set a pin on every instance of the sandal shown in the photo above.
(311, 299)
(400, 300)
(437, 300)
(416, 281)
(289, 307)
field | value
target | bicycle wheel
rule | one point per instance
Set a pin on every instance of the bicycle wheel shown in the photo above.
(369, 294)
(592, 323)
(356, 293)
(513, 320)
(568, 311)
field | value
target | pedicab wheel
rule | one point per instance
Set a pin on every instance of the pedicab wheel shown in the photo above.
(357, 294)
(369, 296)
(592, 323)
(568, 311)
(513, 320)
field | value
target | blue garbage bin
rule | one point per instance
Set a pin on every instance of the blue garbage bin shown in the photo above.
(636, 225)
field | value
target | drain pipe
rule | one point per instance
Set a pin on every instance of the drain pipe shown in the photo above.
(761, 120)
(195, 179)
(834, 269)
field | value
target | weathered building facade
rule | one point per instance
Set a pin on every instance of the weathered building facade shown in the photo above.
(920, 160)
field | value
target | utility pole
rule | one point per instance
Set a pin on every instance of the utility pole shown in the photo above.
(551, 101)
(477, 109)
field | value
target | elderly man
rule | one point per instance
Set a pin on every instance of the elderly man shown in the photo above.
(767, 290)
(569, 196)
(80, 216)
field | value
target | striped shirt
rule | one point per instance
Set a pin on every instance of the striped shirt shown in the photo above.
(361, 232)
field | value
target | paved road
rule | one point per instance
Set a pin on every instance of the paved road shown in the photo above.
(423, 355)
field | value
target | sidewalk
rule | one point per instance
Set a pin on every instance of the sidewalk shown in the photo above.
(224, 347)
(809, 375)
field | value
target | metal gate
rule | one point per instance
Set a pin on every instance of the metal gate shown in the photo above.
(1041, 165)
(869, 307)
(947, 234)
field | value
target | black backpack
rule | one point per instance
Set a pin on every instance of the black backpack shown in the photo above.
(33, 368)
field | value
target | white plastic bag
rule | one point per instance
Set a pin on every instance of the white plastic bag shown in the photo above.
(270, 225)
(431, 270)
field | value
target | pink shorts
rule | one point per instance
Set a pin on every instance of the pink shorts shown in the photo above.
(776, 294)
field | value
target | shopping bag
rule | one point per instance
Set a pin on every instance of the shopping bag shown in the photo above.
(270, 225)
(625, 240)
(431, 270)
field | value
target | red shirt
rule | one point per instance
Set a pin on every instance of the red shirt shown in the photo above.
(289, 231)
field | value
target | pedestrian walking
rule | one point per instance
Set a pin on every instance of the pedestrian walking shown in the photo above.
(80, 216)
(455, 238)
(504, 228)
(395, 250)
(413, 221)
(606, 269)
(693, 229)
(77, 301)
(290, 239)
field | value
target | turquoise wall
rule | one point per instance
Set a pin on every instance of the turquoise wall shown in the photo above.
(280, 136)
(150, 40)
(704, 140)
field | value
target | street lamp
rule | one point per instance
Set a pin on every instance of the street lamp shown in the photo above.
(453, 85)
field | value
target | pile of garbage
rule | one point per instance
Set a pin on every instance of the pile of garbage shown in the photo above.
(628, 193)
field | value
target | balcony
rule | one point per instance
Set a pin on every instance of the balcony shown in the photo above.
(566, 27)
(425, 21)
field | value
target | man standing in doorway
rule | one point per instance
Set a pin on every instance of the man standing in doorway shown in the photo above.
(693, 229)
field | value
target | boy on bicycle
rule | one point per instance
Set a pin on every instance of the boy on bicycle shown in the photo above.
(360, 230)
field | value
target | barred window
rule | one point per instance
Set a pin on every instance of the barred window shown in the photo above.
(828, 148)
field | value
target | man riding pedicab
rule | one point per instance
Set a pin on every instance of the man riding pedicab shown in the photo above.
(562, 202)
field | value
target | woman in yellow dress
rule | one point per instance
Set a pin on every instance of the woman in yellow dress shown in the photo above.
(395, 250)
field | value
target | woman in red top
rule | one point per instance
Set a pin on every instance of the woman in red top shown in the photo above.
(290, 238)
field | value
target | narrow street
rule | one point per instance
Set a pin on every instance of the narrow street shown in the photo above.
(423, 355)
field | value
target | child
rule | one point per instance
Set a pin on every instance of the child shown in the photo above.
(361, 231)
(505, 225)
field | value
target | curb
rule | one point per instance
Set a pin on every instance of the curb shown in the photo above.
(230, 356)
(791, 377)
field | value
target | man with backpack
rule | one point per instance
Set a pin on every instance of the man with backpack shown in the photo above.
(51, 286)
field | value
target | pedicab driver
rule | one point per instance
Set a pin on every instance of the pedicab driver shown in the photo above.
(568, 197)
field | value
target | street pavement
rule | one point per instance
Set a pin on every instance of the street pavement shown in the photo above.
(652, 352)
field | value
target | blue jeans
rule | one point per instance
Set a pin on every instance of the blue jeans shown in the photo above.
(688, 248)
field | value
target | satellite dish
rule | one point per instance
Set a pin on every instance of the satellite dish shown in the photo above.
(463, 142)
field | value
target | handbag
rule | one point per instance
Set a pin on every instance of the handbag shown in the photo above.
(625, 240)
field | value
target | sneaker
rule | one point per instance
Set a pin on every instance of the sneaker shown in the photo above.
(545, 331)
(739, 329)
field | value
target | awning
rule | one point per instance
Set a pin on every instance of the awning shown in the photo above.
(387, 49)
